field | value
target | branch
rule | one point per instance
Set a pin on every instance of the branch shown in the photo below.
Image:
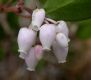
(15, 9)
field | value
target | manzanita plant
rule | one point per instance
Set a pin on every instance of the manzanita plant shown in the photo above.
(52, 35)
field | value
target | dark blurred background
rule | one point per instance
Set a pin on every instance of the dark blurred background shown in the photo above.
(77, 67)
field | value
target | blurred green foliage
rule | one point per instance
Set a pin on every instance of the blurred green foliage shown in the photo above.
(41, 64)
(84, 29)
(14, 47)
(5, 1)
(70, 10)
(13, 21)
(2, 33)
(2, 54)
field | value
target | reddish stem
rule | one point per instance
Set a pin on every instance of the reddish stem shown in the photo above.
(15, 9)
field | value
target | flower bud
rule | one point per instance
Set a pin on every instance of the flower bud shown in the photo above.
(38, 51)
(62, 28)
(26, 38)
(62, 40)
(60, 52)
(37, 18)
(47, 35)
(31, 60)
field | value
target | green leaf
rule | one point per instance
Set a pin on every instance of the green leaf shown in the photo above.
(84, 30)
(69, 10)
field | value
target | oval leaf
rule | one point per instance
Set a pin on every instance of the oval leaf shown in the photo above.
(69, 10)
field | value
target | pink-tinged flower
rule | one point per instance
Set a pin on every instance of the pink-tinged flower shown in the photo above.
(62, 28)
(38, 51)
(26, 38)
(47, 35)
(60, 52)
(31, 60)
(62, 40)
(37, 18)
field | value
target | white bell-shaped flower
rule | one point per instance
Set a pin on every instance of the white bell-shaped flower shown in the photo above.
(31, 60)
(26, 38)
(62, 40)
(47, 35)
(62, 27)
(60, 52)
(37, 18)
(38, 51)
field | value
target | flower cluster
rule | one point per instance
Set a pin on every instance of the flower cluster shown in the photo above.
(53, 35)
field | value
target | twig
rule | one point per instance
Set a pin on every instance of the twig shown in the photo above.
(45, 21)
(28, 10)
(15, 9)
(51, 20)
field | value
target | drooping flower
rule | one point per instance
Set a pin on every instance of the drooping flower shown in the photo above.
(47, 35)
(37, 19)
(31, 60)
(26, 38)
(60, 52)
